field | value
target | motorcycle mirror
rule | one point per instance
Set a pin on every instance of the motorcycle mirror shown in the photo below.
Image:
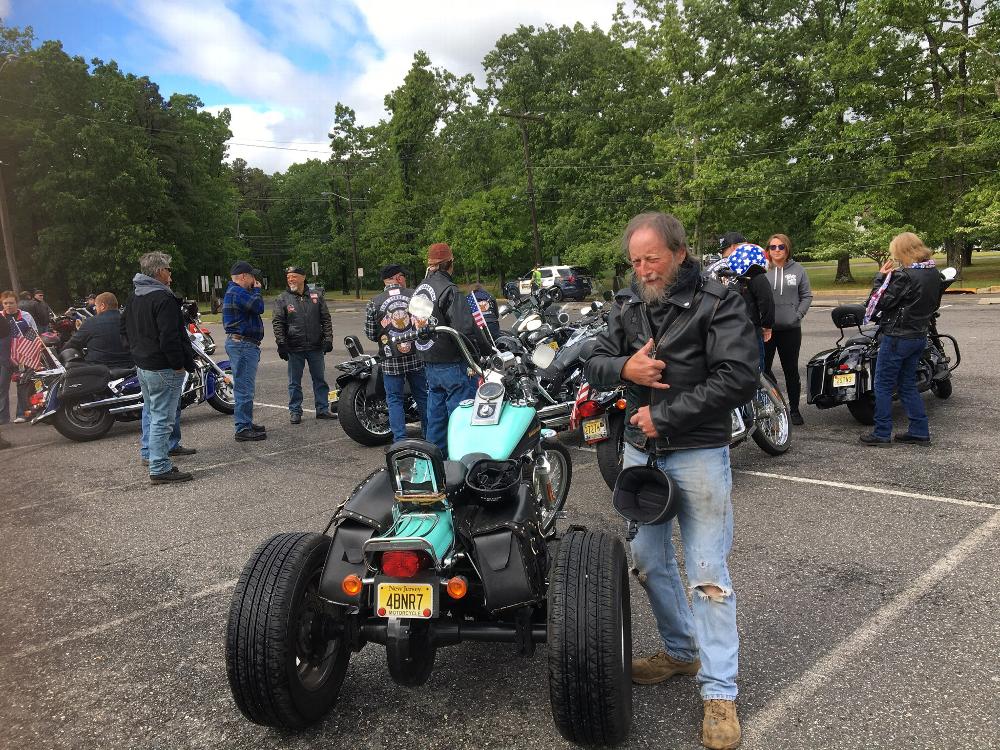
(563, 318)
(420, 307)
(949, 273)
(542, 356)
(504, 310)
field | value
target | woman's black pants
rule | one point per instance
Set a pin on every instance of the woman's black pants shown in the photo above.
(787, 343)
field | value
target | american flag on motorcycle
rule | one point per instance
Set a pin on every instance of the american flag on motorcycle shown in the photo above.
(583, 394)
(477, 314)
(27, 351)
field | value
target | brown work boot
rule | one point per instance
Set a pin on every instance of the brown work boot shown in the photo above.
(661, 666)
(721, 728)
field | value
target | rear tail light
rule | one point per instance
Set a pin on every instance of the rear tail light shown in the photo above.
(588, 409)
(37, 399)
(844, 367)
(404, 564)
(192, 328)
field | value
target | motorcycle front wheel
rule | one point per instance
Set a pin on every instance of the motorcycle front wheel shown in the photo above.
(560, 475)
(365, 420)
(224, 398)
(773, 433)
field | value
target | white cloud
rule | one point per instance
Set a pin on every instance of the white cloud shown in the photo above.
(208, 40)
(4, 8)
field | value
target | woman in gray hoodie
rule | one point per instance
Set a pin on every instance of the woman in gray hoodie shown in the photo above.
(792, 297)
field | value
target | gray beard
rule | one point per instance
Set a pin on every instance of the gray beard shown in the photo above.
(652, 295)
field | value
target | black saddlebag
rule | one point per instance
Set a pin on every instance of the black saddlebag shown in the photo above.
(84, 383)
(510, 553)
(366, 513)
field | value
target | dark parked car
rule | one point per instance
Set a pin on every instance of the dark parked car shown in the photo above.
(570, 282)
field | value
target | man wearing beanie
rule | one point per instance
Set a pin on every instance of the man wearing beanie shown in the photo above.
(387, 318)
(303, 332)
(241, 310)
(449, 380)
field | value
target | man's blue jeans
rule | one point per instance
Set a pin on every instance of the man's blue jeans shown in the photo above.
(317, 370)
(448, 383)
(395, 399)
(175, 434)
(243, 358)
(896, 369)
(706, 628)
(161, 392)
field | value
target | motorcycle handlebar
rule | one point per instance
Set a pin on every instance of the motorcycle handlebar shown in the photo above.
(429, 331)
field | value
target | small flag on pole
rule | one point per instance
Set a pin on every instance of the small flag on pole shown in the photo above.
(477, 316)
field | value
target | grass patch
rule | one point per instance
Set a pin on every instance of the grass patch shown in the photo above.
(984, 271)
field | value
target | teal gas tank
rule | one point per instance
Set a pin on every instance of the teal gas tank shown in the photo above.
(497, 440)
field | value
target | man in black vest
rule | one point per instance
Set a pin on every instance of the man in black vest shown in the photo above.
(303, 331)
(449, 379)
(387, 318)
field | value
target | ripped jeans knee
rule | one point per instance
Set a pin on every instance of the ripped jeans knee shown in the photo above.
(712, 592)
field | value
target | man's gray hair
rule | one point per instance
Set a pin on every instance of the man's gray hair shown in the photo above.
(151, 263)
(667, 227)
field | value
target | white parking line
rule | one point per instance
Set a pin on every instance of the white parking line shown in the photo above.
(849, 651)
(864, 488)
(283, 408)
(112, 624)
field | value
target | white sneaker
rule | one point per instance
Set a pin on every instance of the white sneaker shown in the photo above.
(20, 420)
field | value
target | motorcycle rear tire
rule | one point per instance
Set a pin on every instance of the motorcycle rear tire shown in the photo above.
(82, 426)
(942, 388)
(863, 410)
(556, 451)
(590, 639)
(410, 653)
(773, 434)
(610, 451)
(351, 397)
(284, 668)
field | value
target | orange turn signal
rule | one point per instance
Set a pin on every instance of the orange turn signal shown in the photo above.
(351, 585)
(620, 404)
(458, 587)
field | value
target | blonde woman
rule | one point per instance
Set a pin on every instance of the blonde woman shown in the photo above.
(792, 297)
(906, 295)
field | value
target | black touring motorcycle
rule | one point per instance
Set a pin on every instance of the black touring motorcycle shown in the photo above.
(427, 553)
(846, 373)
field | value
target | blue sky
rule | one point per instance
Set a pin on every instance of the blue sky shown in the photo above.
(281, 65)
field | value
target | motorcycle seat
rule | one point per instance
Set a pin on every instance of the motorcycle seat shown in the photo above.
(858, 340)
(455, 471)
(120, 372)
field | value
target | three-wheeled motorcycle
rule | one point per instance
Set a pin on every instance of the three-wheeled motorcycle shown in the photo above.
(428, 552)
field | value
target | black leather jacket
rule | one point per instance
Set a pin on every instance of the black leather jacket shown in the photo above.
(301, 322)
(909, 302)
(451, 308)
(711, 353)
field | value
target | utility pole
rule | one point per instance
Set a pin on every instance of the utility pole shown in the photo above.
(521, 118)
(8, 235)
(350, 212)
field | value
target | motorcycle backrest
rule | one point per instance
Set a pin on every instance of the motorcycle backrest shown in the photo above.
(848, 316)
(353, 345)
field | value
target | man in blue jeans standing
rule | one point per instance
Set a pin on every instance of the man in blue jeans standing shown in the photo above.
(242, 307)
(154, 328)
(449, 380)
(684, 347)
(303, 332)
(386, 319)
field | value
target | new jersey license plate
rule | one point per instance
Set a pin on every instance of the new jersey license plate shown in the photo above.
(334, 395)
(405, 600)
(843, 381)
(596, 429)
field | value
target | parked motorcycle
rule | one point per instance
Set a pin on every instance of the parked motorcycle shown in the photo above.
(82, 400)
(846, 373)
(197, 331)
(359, 398)
(601, 416)
(427, 553)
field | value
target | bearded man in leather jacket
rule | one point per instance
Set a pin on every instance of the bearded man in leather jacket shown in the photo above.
(685, 348)
(449, 380)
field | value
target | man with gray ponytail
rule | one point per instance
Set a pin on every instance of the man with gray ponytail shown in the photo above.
(154, 328)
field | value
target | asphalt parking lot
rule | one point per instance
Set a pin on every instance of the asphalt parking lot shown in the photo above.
(867, 584)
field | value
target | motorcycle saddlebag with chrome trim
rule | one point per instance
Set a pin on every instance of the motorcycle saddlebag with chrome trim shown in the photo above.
(83, 382)
(366, 513)
(509, 551)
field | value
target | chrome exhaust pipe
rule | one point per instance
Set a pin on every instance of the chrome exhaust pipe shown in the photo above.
(556, 416)
(123, 409)
(112, 401)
